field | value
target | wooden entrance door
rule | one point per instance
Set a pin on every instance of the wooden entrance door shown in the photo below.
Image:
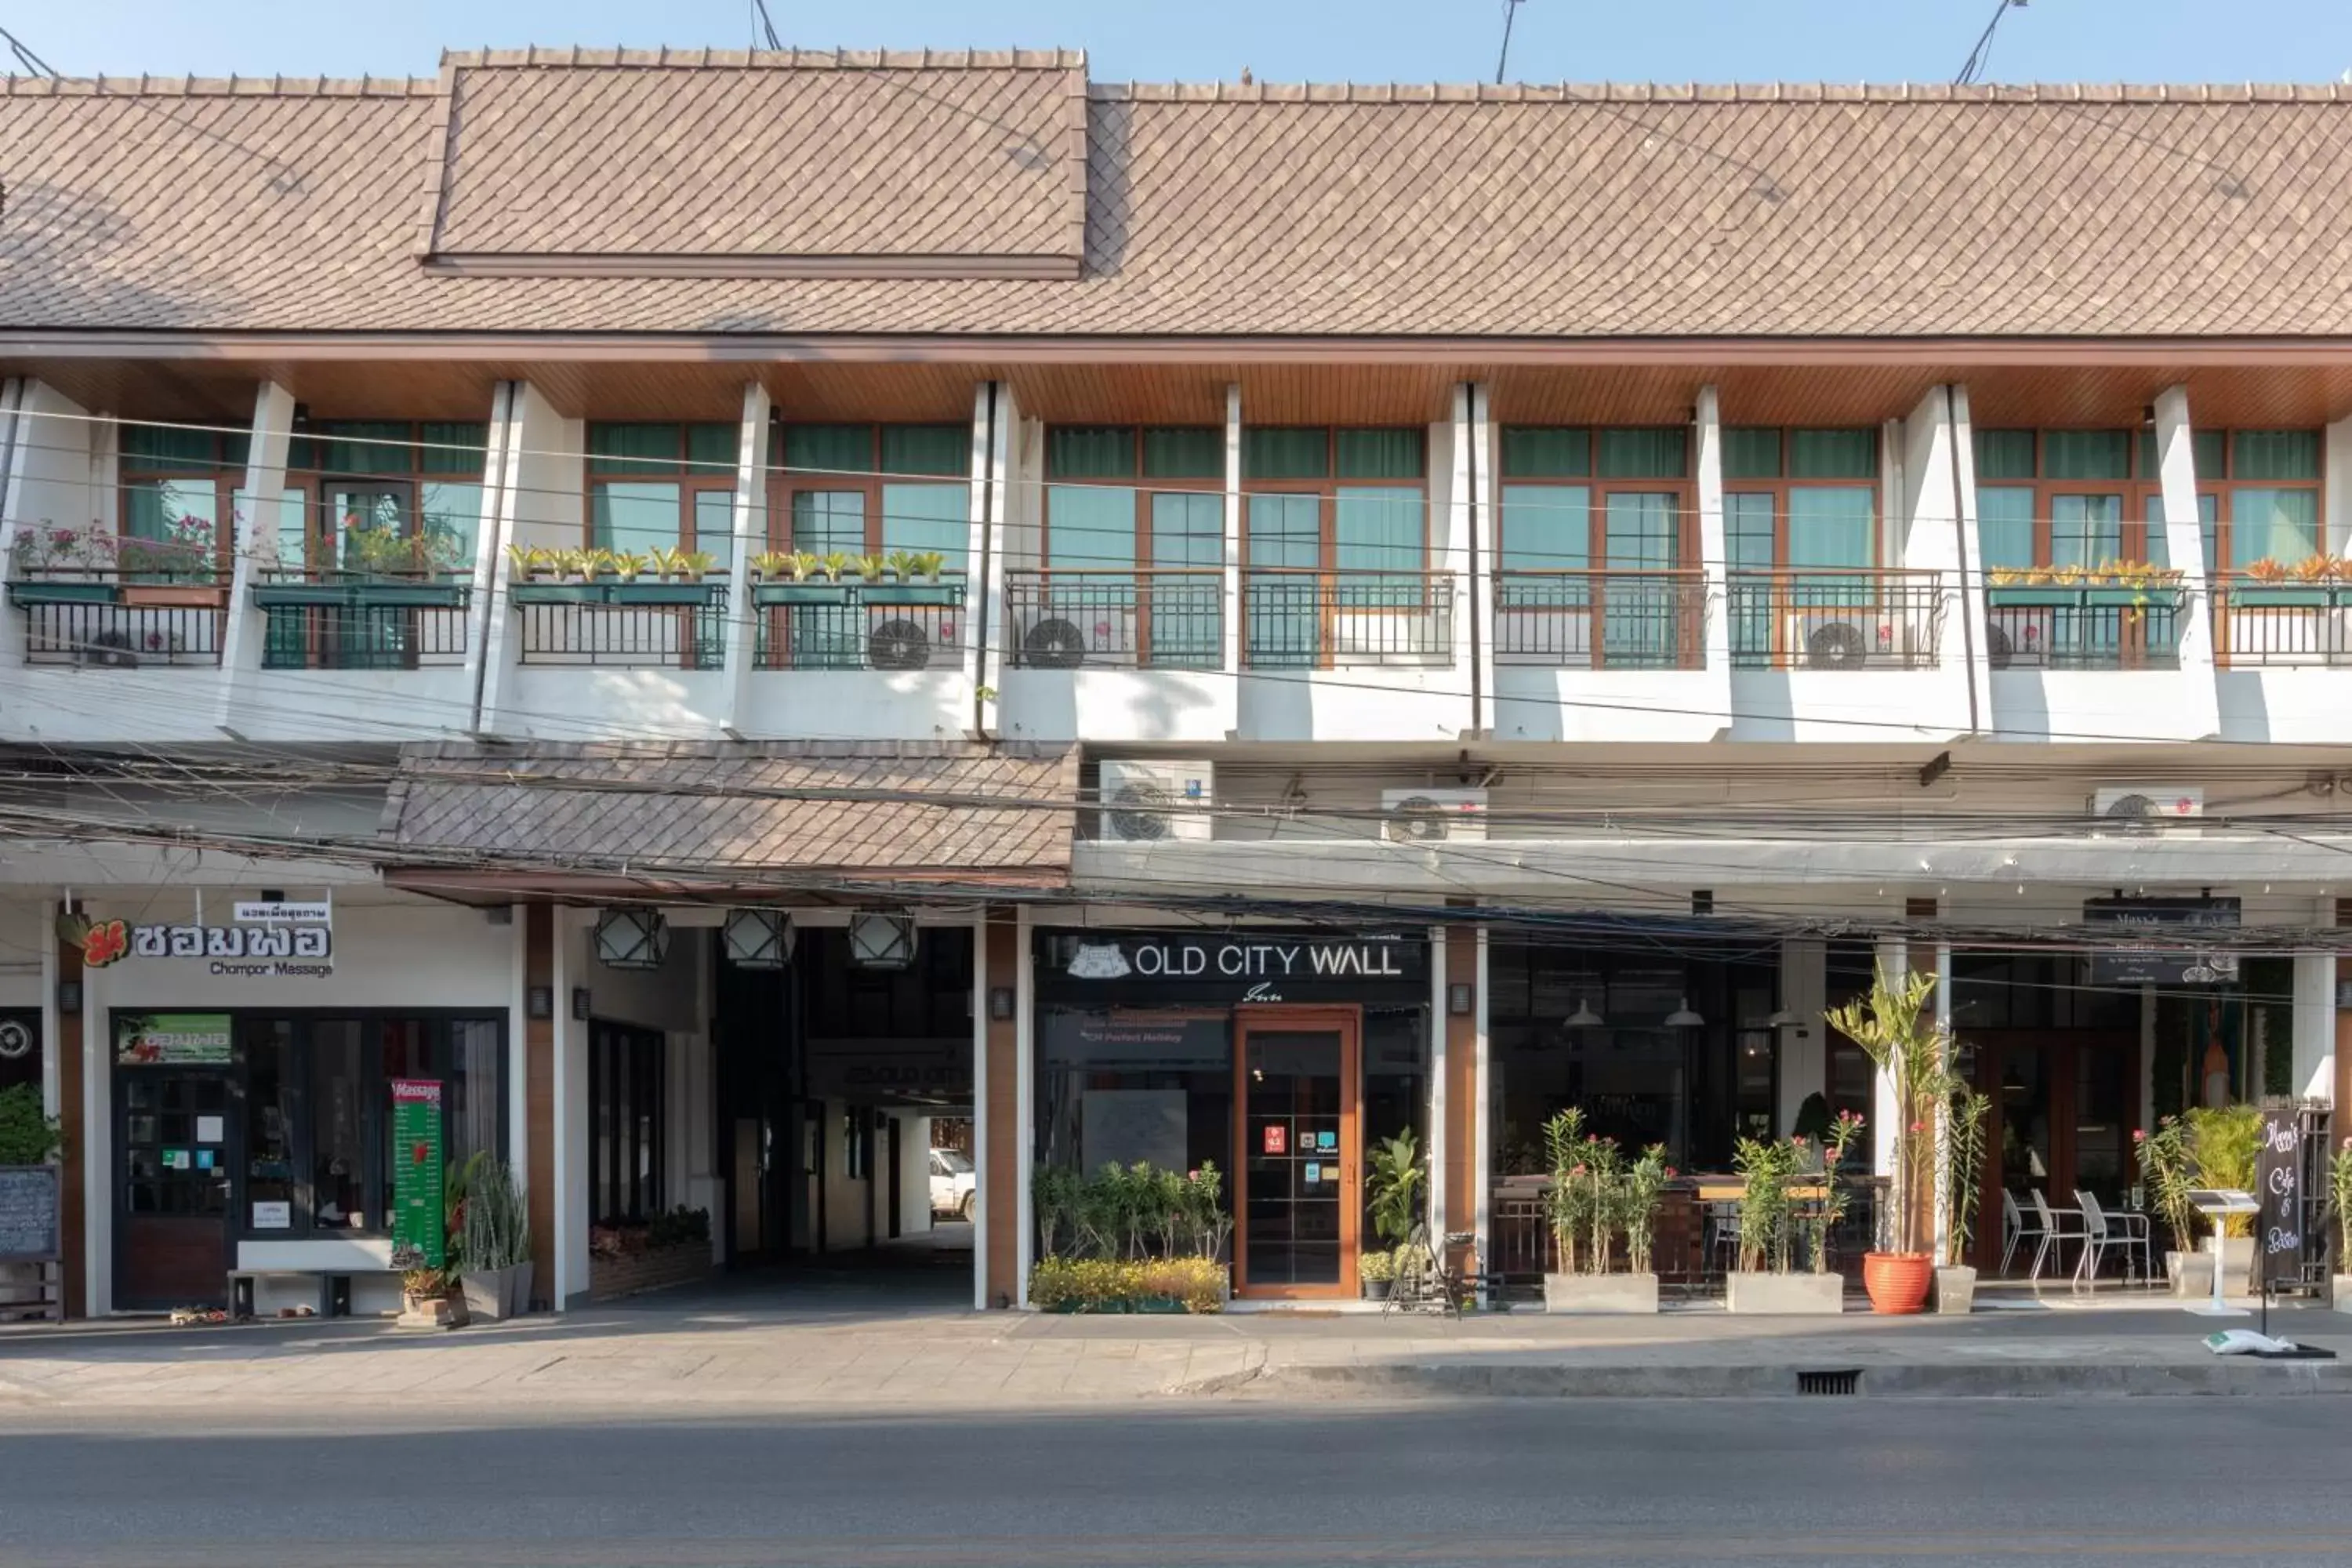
(1298, 1166)
(174, 1132)
(2064, 1106)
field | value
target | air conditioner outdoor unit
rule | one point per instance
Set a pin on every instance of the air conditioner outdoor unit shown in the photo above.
(1150, 801)
(1425, 815)
(2144, 808)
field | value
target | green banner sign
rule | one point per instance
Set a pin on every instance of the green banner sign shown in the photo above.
(172, 1039)
(419, 1232)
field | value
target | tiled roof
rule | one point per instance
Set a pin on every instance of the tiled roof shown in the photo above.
(1207, 210)
(886, 811)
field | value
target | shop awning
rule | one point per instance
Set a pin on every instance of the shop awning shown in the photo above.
(487, 822)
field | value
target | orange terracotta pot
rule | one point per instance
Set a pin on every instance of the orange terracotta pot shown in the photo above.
(1898, 1282)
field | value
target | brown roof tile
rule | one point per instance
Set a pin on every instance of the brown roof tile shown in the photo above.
(1208, 210)
(712, 811)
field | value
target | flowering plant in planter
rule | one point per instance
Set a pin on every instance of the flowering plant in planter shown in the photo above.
(1826, 1215)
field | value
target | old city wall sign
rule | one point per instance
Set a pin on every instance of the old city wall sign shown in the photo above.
(1239, 966)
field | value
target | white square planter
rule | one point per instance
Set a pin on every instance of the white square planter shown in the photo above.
(2191, 1274)
(1569, 1294)
(1784, 1295)
(1956, 1289)
(2341, 1298)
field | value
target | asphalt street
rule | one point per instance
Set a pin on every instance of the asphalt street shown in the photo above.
(2228, 1480)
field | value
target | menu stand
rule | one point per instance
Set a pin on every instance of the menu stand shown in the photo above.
(2220, 1203)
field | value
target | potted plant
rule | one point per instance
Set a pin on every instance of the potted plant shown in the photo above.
(917, 580)
(29, 1137)
(692, 565)
(1376, 1271)
(2339, 1208)
(2167, 1168)
(2226, 1143)
(1597, 1199)
(2274, 582)
(1896, 1031)
(1392, 1186)
(1964, 1152)
(835, 564)
(494, 1241)
(426, 1302)
(871, 570)
(1775, 1174)
(627, 565)
(593, 564)
(771, 565)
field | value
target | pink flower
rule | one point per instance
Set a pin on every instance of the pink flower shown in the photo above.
(1577, 1172)
(1799, 1138)
(1918, 1127)
(2142, 1138)
(1669, 1169)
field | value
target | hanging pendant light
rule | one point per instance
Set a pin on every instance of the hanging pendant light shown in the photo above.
(757, 938)
(1584, 1017)
(1784, 1019)
(1683, 1017)
(631, 939)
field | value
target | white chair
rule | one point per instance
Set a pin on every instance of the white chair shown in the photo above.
(2103, 1233)
(2013, 1229)
(2055, 1234)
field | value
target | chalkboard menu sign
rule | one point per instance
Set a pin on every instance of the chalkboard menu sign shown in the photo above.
(29, 1214)
(2278, 1184)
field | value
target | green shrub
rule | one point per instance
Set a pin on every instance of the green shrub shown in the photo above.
(27, 1137)
(1118, 1285)
(2226, 1144)
(1377, 1264)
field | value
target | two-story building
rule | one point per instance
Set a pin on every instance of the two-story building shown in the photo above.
(749, 604)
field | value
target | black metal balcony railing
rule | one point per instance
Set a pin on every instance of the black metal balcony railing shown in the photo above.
(2259, 623)
(1307, 619)
(893, 638)
(1835, 619)
(121, 636)
(2082, 628)
(1125, 620)
(363, 637)
(1602, 620)
(624, 635)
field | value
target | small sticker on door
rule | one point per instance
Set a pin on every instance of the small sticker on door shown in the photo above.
(1327, 1140)
(1276, 1139)
(1314, 1174)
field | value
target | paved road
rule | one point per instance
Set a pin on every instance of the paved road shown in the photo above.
(1520, 1482)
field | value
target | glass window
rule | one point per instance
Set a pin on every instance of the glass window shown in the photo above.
(1378, 530)
(2005, 525)
(1833, 453)
(1379, 453)
(1188, 529)
(1748, 531)
(1184, 454)
(1654, 453)
(927, 449)
(618, 448)
(1286, 530)
(829, 449)
(1642, 532)
(364, 446)
(2086, 454)
(627, 1092)
(451, 513)
(452, 448)
(2004, 454)
(184, 512)
(339, 1160)
(271, 1099)
(1831, 527)
(714, 526)
(826, 523)
(162, 447)
(1285, 454)
(1078, 452)
(710, 448)
(2275, 455)
(2159, 553)
(2273, 525)
(1531, 453)
(1751, 454)
(1090, 526)
(2085, 530)
(2209, 452)
(636, 515)
(927, 519)
(1547, 528)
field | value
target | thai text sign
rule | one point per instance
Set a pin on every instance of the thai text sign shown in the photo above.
(419, 1238)
(173, 1040)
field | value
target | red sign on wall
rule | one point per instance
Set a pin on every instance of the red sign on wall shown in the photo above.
(1277, 1137)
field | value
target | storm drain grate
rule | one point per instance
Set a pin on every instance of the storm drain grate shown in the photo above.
(1829, 1382)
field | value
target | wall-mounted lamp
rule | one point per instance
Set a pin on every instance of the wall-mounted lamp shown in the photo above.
(68, 997)
(1457, 1000)
(539, 1002)
(579, 1002)
(1000, 1001)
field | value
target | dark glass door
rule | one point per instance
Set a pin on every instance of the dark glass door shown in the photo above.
(1299, 1195)
(172, 1246)
(2064, 1109)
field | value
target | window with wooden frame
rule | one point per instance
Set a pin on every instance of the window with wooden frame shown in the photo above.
(2258, 498)
(391, 495)
(663, 487)
(1799, 499)
(179, 488)
(872, 489)
(1350, 502)
(1098, 519)
(1576, 500)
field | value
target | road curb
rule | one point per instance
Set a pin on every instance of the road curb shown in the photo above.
(1949, 1380)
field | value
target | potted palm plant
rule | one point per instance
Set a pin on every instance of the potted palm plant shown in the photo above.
(1964, 1150)
(1393, 1194)
(802, 579)
(2167, 1167)
(2226, 1143)
(1902, 1041)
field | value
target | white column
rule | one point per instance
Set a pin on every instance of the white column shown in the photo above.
(2336, 462)
(570, 1165)
(1803, 1047)
(1895, 957)
(518, 1066)
(1482, 1159)
(914, 1175)
(1943, 1118)
(2184, 543)
(50, 479)
(1232, 580)
(1025, 1010)
(1436, 1086)
(253, 533)
(996, 437)
(748, 524)
(1715, 553)
(536, 494)
(1935, 530)
(2315, 1017)
(51, 1031)
(96, 1150)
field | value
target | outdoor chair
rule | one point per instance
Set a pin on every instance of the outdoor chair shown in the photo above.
(2014, 1228)
(2103, 1233)
(2054, 1234)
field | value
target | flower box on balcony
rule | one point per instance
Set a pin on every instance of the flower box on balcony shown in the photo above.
(2033, 598)
(174, 596)
(911, 593)
(362, 593)
(43, 591)
(771, 595)
(615, 592)
(2281, 596)
(2108, 597)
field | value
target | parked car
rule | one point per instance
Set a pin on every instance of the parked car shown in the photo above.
(955, 1185)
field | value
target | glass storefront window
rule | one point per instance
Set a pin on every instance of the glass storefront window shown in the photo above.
(339, 1173)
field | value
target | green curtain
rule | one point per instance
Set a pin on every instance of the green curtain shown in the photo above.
(1378, 530)
(1090, 526)
(2004, 454)
(713, 447)
(1751, 453)
(2207, 448)
(825, 521)
(2086, 454)
(1379, 453)
(1286, 453)
(927, 449)
(1831, 527)
(616, 448)
(154, 447)
(454, 448)
(152, 506)
(1833, 454)
(1650, 452)
(2005, 525)
(1090, 452)
(1184, 454)
(364, 446)
(829, 449)
(1546, 528)
(927, 519)
(634, 515)
(2273, 525)
(1537, 452)
(2276, 454)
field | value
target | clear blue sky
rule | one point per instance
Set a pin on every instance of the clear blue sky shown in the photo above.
(1280, 40)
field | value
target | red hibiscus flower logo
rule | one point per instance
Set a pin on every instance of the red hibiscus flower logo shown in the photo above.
(106, 942)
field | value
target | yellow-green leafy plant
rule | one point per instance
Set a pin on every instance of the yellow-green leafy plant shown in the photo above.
(1823, 1219)
(594, 563)
(628, 565)
(2226, 1141)
(2168, 1166)
(1902, 1040)
(1643, 1184)
(1964, 1152)
(1764, 1166)
(692, 565)
(667, 560)
(835, 564)
(771, 565)
(2339, 1201)
(870, 568)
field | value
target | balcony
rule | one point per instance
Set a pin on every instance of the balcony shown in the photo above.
(2267, 623)
(1309, 619)
(1600, 620)
(621, 624)
(1116, 620)
(895, 628)
(2040, 620)
(1835, 619)
(352, 620)
(105, 618)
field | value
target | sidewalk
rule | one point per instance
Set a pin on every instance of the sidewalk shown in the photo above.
(730, 1353)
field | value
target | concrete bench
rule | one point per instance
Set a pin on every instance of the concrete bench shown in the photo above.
(334, 1287)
